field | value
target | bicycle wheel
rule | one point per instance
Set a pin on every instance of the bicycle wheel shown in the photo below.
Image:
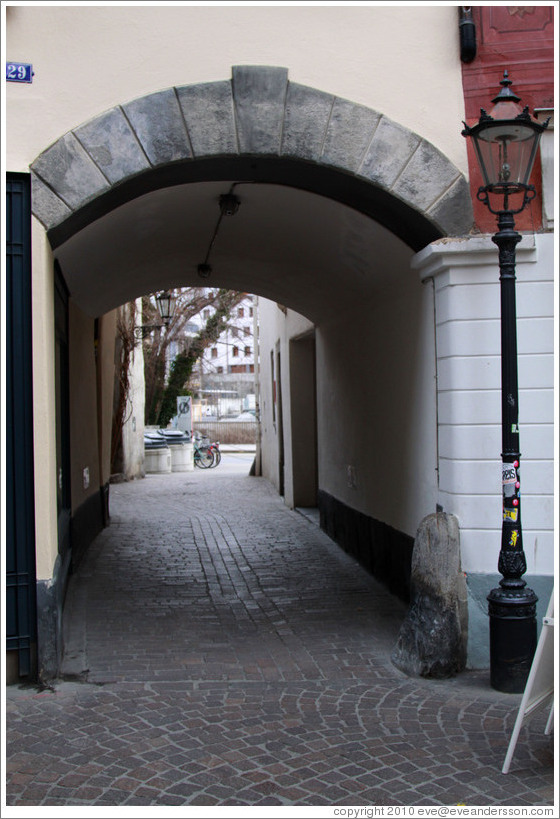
(217, 455)
(206, 458)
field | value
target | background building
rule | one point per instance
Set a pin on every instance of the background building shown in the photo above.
(225, 380)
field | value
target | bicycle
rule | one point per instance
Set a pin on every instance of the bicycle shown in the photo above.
(215, 447)
(201, 443)
(203, 454)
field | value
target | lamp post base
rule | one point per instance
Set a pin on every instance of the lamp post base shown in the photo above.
(513, 637)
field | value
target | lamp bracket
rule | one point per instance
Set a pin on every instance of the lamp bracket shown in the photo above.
(144, 330)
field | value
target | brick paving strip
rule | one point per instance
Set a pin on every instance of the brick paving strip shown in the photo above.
(222, 651)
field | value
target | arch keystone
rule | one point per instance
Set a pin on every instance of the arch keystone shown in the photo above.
(259, 97)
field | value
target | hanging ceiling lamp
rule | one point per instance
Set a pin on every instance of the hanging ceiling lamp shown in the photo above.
(229, 205)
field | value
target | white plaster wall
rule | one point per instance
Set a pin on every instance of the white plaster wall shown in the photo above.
(466, 277)
(88, 59)
(83, 396)
(376, 404)
(276, 327)
(44, 442)
(376, 407)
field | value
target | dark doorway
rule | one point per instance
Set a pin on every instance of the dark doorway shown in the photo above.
(21, 618)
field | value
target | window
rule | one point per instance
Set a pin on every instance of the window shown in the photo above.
(214, 352)
(240, 312)
(247, 331)
(235, 352)
(250, 312)
(247, 351)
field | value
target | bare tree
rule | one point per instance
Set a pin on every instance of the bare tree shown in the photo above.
(224, 301)
(190, 302)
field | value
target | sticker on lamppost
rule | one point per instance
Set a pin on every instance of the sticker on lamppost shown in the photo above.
(510, 490)
(19, 72)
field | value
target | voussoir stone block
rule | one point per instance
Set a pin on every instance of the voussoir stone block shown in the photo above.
(305, 122)
(426, 177)
(112, 145)
(159, 127)
(259, 96)
(46, 205)
(433, 638)
(208, 113)
(453, 212)
(349, 133)
(69, 170)
(389, 151)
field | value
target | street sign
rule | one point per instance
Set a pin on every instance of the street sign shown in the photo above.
(184, 414)
(19, 72)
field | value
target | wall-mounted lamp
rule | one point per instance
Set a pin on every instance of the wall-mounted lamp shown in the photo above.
(166, 307)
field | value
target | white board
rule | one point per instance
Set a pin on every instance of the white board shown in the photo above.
(540, 682)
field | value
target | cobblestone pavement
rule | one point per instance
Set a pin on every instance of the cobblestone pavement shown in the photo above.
(222, 651)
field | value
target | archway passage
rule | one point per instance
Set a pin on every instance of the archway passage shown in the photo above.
(334, 200)
(258, 127)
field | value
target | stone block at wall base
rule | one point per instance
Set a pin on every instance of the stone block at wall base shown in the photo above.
(50, 599)
(433, 638)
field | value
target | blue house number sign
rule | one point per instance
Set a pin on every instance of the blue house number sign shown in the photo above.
(19, 72)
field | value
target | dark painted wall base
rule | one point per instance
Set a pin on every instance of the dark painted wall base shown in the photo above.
(87, 522)
(385, 552)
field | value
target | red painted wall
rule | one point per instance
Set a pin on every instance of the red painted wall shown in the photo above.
(521, 40)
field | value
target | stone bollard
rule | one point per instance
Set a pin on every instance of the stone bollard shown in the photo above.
(433, 638)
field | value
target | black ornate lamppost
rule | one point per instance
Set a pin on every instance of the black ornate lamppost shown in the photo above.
(506, 143)
(166, 307)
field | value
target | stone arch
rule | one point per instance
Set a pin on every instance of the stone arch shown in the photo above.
(257, 126)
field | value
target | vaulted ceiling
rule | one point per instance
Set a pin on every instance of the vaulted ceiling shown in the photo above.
(304, 250)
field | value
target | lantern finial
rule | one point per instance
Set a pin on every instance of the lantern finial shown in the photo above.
(506, 94)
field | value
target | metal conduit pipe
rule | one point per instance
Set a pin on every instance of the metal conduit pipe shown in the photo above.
(467, 34)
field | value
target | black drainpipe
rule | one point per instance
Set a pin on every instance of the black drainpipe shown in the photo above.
(467, 34)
